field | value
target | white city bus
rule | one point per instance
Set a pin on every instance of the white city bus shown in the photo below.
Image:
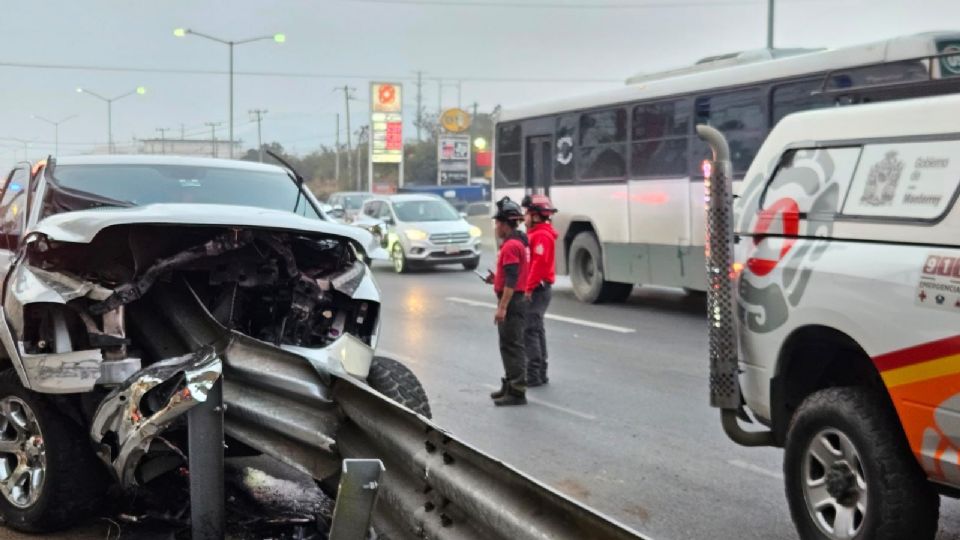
(624, 166)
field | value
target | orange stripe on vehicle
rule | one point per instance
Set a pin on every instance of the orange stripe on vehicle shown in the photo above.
(939, 367)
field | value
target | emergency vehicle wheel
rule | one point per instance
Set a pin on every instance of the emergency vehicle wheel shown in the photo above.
(397, 382)
(398, 258)
(850, 473)
(586, 273)
(50, 477)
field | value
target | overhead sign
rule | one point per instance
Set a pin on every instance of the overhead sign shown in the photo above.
(455, 120)
(386, 123)
(453, 159)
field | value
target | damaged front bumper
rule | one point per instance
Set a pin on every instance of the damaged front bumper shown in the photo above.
(133, 415)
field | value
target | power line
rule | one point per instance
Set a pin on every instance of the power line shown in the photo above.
(553, 5)
(299, 75)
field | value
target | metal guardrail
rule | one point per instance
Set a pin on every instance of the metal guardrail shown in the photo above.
(438, 487)
(434, 485)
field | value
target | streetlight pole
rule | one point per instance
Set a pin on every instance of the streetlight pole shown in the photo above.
(56, 130)
(140, 90)
(770, 24)
(277, 38)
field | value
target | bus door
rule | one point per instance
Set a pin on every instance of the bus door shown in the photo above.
(539, 164)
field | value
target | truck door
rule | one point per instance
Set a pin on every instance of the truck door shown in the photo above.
(539, 164)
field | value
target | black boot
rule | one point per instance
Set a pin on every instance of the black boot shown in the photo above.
(515, 395)
(503, 390)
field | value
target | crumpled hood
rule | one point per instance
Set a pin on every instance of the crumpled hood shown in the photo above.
(83, 225)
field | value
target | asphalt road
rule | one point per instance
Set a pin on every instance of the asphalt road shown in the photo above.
(624, 425)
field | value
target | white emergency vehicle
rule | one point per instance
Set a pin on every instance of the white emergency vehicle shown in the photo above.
(837, 276)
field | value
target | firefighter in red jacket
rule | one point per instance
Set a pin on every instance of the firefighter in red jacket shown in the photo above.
(509, 283)
(542, 238)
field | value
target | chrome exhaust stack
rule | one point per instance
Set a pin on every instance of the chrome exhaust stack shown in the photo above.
(724, 351)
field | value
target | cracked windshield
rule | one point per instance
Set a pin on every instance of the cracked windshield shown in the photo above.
(480, 270)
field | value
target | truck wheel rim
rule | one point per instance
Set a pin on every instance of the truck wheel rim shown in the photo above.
(23, 458)
(834, 485)
(586, 267)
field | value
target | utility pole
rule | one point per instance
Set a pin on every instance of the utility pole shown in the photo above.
(419, 103)
(439, 99)
(258, 116)
(473, 160)
(770, 24)
(347, 96)
(336, 165)
(459, 92)
(360, 137)
(163, 139)
(183, 132)
(213, 136)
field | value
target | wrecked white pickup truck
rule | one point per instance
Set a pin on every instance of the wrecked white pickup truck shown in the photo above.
(135, 288)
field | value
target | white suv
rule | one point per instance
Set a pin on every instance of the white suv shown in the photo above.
(422, 231)
(848, 307)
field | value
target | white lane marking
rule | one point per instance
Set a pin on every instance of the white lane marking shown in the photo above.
(561, 318)
(553, 406)
(755, 468)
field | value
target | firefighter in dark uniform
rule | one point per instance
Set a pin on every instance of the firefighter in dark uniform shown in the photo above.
(509, 284)
(542, 239)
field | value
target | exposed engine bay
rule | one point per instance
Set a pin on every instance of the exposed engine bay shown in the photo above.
(94, 320)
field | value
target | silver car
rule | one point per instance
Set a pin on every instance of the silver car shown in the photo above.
(421, 231)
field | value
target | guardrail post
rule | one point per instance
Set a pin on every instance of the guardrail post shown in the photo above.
(205, 442)
(359, 484)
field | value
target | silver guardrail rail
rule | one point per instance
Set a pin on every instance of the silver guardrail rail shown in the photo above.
(434, 485)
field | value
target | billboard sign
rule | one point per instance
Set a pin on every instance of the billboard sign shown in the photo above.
(453, 159)
(386, 123)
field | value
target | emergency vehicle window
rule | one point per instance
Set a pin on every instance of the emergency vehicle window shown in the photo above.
(508, 155)
(811, 181)
(911, 180)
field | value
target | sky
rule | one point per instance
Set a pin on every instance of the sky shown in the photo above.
(505, 52)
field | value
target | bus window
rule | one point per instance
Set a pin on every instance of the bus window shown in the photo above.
(739, 115)
(564, 164)
(508, 155)
(602, 153)
(798, 96)
(660, 137)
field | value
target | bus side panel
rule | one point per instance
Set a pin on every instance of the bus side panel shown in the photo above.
(603, 207)
(695, 275)
(659, 220)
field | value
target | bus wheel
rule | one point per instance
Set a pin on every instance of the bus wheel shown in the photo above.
(586, 273)
(850, 473)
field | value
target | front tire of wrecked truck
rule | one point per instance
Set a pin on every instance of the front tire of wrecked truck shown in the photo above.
(50, 477)
(850, 473)
(397, 382)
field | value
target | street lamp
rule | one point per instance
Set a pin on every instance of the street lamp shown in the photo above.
(56, 130)
(277, 38)
(140, 90)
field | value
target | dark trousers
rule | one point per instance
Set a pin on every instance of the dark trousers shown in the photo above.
(511, 342)
(535, 337)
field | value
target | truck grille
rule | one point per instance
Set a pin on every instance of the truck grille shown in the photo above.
(442, 239)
